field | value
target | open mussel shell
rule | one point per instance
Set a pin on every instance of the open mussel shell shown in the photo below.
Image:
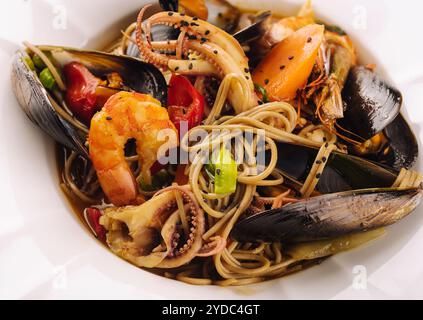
(139, 76)
(37, 104)
(402, 150)
(399, 148)
(342, 172)
(329, 216)
(371, 104)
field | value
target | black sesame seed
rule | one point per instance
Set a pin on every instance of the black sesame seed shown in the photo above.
(291, 57)
(327, 145)
(170, 14)
(324, 159)
(109, 118)
(318, 162)
(207, 32)
(215, 52)
(182, 14)
(193, 24)
(325, 139)
(318, 176)
(220, 14)
(246, 70)
(195, 18)
(192, 37)
(266, 81)
(203, 40)
(218, 172)
(309, 40)
(177, 68)
(247, 77)
(190, 66)
(282, 67)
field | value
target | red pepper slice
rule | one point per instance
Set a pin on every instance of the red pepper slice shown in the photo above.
(185, 103)
(93, 217)
(81, 91)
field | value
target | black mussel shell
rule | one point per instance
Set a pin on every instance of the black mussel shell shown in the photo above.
(342, 172)
(402, 150)
(38, 105)
(35, 102)
(329, 216)
(370, 103)
(398, 150)
(137, 75)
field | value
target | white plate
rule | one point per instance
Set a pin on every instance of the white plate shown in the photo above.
(44, 251)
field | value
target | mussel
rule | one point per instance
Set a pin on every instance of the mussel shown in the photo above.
(370, 103)
(342, 172)
(329, 216)
(372, 112)
(37, 104)
(401, 150)
(42, 108)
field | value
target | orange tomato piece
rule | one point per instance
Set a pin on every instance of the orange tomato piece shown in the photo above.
(288, 66)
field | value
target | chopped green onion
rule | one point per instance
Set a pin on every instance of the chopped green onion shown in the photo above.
(263, 92)
(29, 63)
(38, 62)
(225, 172)
(47, 79)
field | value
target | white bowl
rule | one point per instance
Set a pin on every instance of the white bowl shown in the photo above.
(46, 253)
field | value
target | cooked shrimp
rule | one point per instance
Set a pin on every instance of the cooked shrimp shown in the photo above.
(126, 116)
